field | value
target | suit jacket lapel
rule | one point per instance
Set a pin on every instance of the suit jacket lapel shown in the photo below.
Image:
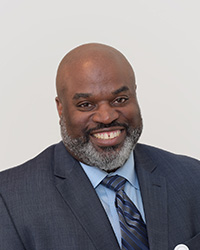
(80, 196)
(154, 196)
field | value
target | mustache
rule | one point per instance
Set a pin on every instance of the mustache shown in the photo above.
(102, 126)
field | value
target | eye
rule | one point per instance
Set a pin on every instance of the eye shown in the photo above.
(120, 100)
(85, 106)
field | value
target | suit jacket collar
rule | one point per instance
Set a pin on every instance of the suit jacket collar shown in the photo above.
(79, 194)
(71, 180)
(154, 195)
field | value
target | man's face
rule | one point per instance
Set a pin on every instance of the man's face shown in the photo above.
(100, 116)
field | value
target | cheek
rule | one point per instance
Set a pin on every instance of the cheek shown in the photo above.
(133, 115)
(75, 123)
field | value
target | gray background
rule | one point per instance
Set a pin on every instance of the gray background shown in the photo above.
(160, 38)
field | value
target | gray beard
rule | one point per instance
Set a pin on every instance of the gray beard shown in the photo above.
(109, 159)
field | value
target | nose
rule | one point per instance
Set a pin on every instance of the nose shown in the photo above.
(105, 114)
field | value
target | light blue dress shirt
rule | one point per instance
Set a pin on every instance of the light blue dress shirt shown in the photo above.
(107, 196)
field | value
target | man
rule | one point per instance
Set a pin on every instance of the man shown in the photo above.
(64, 198)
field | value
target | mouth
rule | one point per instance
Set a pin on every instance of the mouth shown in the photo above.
(108, 137)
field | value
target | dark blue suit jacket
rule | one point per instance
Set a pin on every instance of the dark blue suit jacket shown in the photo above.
(48, 203)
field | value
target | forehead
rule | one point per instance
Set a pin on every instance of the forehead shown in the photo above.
(99, 74)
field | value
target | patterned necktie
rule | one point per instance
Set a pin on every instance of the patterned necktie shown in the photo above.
(133, 228)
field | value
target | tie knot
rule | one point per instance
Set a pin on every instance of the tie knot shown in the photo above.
(115, 182)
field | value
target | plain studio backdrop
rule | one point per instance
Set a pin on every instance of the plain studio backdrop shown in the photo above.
(160, 38)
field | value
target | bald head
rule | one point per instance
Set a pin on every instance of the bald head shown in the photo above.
(90, 59)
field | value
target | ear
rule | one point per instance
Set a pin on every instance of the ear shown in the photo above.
(59, 106)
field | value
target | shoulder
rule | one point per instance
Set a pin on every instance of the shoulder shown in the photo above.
(29, 170)
(25, 186)
(159, 155)
(166, 163)
(175, 168)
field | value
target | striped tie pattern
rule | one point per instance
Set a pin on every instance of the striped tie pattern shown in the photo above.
(133, 228)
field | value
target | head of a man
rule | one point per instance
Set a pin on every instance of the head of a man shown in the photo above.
(99, 114)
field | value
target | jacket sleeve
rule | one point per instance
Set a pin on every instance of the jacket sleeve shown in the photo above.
(9, 238)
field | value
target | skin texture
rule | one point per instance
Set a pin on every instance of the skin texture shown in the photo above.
(97, 101)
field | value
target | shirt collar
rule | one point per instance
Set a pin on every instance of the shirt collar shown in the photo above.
(127, 171)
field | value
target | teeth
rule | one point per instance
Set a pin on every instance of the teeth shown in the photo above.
(107, 136)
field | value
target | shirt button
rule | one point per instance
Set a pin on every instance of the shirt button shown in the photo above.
(181, 247)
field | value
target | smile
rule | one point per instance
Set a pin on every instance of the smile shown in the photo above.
(107, 135)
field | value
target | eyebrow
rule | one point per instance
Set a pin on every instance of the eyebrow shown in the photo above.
(86, 95)
(83, 95)
(118, 91)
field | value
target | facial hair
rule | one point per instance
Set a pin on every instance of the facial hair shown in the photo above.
(109, 159)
